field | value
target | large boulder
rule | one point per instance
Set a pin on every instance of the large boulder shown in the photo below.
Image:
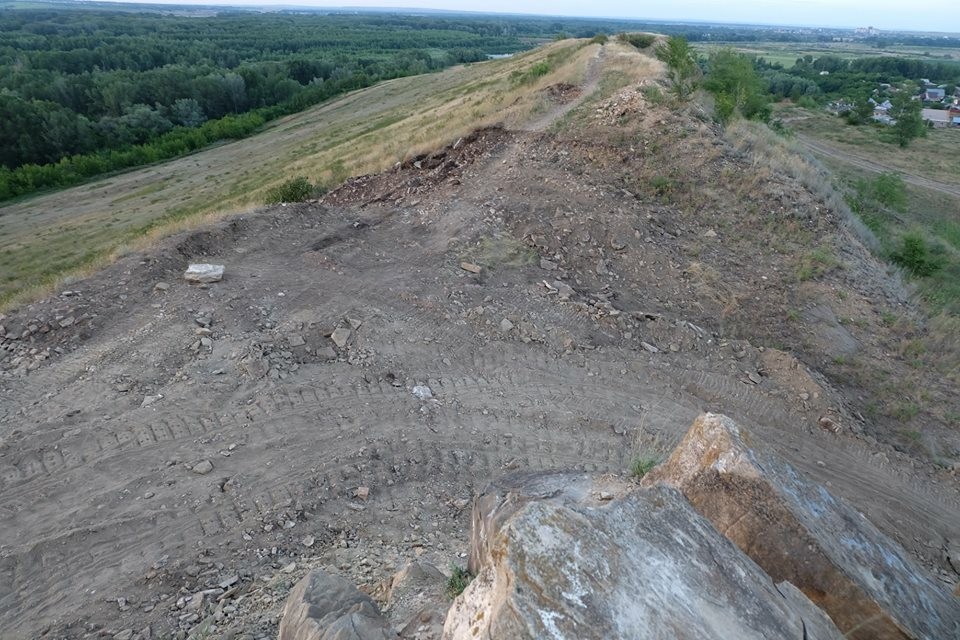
(572, 556)
(323, 606)
(799, 533)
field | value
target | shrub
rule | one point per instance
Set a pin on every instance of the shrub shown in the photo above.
(600, 38)
(294, 190)
(642, 464)
(890, 190)
(458, 581)
(915, 256)
(639, 40)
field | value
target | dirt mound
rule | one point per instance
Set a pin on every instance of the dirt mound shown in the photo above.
(562, 92)
(191, 450)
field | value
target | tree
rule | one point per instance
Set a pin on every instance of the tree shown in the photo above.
(681, 63)
(736, 87)
(907, 112)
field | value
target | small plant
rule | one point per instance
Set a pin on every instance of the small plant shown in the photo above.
(915, 256)
(600, 38)
(816, 263)
(653, 94)
(905, 411)
(294, 190)
(793, 315)
(643, 463)
(458, 581)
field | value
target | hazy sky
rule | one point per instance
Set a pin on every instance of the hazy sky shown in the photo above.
(940, 15)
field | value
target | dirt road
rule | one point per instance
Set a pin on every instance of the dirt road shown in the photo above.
(371, 360)
(820, 148)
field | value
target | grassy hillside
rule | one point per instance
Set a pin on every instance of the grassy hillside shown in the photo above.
(366, 131)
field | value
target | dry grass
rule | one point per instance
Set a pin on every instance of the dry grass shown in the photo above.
(769, 153)
(79, 230)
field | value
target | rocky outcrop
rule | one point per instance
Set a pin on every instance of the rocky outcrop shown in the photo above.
(327, 607)
(575, 556)
(799, 533)
(418, 602)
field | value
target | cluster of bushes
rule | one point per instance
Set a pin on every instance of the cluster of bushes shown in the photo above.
(638, 40)
(294, 190)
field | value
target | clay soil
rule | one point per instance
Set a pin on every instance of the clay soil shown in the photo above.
(631, 275)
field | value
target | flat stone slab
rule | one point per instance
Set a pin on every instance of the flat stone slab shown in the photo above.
(204, 273)
(799, 533)
(572, 556)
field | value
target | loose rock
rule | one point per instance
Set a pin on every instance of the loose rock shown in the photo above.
(204, 273)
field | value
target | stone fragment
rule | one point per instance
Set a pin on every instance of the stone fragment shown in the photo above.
(469, 266)
(505, 325)
(548, 265)
(554, 561)
(340, 337)
(296, 340)
(326, 607)
(564, 291)
(422, 392)
(203, 467)
(149, 400)
(204, 273)
(797, 532)
(161, 287)
(362, 493)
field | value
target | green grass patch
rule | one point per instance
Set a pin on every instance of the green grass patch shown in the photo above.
(642, 464)
(458, 581)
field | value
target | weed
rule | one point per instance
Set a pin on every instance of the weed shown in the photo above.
(643, 463)
(816, 263)
(905, 411)
(793, 315)
(653, 94)
(888, 319)
(661, 185)
(294, 190)
(458, 581)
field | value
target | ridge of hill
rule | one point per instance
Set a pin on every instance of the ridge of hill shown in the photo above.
(569, 290)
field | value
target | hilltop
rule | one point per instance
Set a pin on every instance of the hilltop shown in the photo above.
(562, 272)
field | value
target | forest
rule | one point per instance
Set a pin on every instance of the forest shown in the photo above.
(86, 91)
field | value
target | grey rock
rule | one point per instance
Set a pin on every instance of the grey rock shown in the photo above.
(203, 467)
(340, 337)
(505, 325)
(326, 607)
(797, 532)
(204, 273)
(161, 287)
(548, 265)
(296, 340)
(564, 291)
(554, 561)
(422, 392)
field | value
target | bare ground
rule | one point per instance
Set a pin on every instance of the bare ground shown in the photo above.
(680, 289)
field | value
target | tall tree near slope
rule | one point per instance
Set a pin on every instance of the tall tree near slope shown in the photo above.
(681, 63)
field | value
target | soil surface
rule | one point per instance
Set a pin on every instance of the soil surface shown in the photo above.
(174, 456)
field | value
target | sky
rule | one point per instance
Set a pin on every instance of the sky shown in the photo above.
(882, 14)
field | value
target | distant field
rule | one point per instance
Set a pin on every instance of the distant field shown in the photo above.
(932, 156)
(366, 131)
(786, 53)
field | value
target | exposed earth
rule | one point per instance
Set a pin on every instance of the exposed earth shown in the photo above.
(561, 297)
